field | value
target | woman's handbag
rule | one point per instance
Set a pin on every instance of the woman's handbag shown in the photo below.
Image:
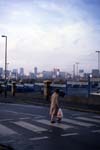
(60, 114)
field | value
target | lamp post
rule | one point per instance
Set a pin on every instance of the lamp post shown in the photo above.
(89, 84)
(5, 64)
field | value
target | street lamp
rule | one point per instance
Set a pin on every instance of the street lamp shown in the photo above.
(5, 64)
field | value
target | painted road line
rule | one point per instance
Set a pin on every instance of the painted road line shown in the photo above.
(70, 134)
(21, 113)
(1, 120)
(14, 112)
(58, 125)
(29, 126)
(96, 131)
(6, 131)
(75, 122)
(97, 117)
(24, 118)
(39, 117)
(38, 138)
(88, 119)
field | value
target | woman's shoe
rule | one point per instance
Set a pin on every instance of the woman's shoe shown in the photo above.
(59, 120)
(52, 121)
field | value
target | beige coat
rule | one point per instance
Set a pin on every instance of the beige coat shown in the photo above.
(54, 104)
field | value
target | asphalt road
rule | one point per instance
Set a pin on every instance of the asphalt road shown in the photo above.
(27, 127)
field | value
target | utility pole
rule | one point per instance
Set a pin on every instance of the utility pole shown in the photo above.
(4, 36)
(98, 60)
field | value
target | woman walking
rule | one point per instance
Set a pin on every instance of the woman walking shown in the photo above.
(54, 105)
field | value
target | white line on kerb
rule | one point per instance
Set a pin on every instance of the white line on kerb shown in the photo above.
(39, 138)
(69, 134)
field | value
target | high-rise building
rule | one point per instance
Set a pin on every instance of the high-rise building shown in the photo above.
(1, 72)
(95, 72)
(35, 72)
(14, 74)
(47, 74)
(21, 72)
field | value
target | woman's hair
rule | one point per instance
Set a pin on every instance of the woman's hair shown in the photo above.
(57, 91)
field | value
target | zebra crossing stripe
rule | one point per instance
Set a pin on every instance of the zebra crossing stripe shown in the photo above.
(77, 122)
(97, 117)
(29, 126)
(38, 138)
(58, 125)
(6, 131)
(88, 119)
(1, 120)
(96, 131)
(69, 134)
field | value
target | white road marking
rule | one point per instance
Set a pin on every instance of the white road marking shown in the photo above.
(29, 126)
(14, 112)
(21, 113)
(1, 120)
(38, 117)
(97, 117)
(96, 131)
(88, 119)
(6, 131)
(58, 125)
(77, 122)
(38, 138)
(70, 134)
(24, 118)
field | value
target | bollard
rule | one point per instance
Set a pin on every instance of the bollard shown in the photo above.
(13, 90)
(47, 89)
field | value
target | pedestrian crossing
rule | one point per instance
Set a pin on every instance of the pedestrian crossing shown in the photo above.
(29, 126)
(6, 131)
(79, 123)
(42, 125)
(62, 126)
(88, 119)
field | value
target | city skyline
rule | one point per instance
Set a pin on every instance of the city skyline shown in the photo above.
(50, 34)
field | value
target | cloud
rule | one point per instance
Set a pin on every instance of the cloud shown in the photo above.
(50, 34)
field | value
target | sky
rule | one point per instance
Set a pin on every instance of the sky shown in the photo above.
(50, 34)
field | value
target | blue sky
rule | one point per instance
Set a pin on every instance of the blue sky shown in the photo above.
(50, 33)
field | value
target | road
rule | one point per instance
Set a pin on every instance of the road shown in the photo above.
(27, 127)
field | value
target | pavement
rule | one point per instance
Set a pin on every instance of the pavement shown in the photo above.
(38, 99)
